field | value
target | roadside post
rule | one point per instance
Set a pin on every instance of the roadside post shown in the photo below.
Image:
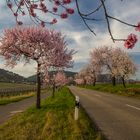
(77, 105)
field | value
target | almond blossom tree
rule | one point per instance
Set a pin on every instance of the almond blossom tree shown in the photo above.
(83, 75)
(78, 80)
(125, 65)
(115, 61)
(93, 70)
(60, 79)
(46, 47)
(103, 57)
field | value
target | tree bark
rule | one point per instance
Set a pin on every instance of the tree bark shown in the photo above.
(94, 82)
(113, 81)
(123, 81)
(38, 86)
(53, 90)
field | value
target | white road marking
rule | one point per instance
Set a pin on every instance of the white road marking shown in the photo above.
(133, 107)
(18, 111)
(97, 95)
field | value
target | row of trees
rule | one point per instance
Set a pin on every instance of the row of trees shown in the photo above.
(47, 48)
(113, 61)
(56, 80)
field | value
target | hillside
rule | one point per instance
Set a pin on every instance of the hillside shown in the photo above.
(7, 76)
(68, 74)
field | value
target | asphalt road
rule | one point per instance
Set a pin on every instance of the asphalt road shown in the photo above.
(116, 116)
(7, 111)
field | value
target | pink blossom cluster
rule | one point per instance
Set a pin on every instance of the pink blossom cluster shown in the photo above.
(79, 81)
(130, 41)
(60, 79)
(19, 7)
(46, 47)
(132, 38)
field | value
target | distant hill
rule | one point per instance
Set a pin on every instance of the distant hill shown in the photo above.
(7, 76)
(68, 74)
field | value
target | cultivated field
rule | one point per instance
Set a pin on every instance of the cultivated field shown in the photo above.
(13, 92)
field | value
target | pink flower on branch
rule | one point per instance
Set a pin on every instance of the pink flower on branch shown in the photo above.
(64, 15)
(35, 8)
(66, 1)
(70, 10)
(57, 2)
(54, 21)
(130, 41)
(9, 5)
(55, 9)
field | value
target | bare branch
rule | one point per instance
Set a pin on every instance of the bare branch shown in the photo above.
(77, 5)
(107, 20)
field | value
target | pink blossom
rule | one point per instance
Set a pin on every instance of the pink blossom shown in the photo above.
(42, 23)
(57, 2)
(70, 10)
(55, 9)
(138, 27)
(15, 14)
(42, 5)
(64, 15)
(130, 41)
(19, 22)
(31, 7)
(9, 5)
(60, 79)
(54, 21)
(66, 1)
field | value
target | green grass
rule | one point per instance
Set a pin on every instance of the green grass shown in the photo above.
(54, 121)
(130, 90)
(14, 85)
(11, 99)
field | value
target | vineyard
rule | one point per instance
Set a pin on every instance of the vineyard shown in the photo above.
(14, 89)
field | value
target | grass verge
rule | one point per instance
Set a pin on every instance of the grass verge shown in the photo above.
(131, 90)
(54, 121)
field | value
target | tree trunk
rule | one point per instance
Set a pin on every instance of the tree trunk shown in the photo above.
(53, 90)
(123, 81)
(113, 81)
(38, 87)
(94, 82)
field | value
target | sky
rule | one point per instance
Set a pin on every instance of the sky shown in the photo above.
(78, 37)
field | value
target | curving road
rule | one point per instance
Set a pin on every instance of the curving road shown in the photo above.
(116, 116)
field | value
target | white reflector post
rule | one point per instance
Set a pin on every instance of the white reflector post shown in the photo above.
(77, 103)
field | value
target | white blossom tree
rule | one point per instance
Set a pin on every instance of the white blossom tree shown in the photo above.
(46, 47)
(125, 67)
(114, 61)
